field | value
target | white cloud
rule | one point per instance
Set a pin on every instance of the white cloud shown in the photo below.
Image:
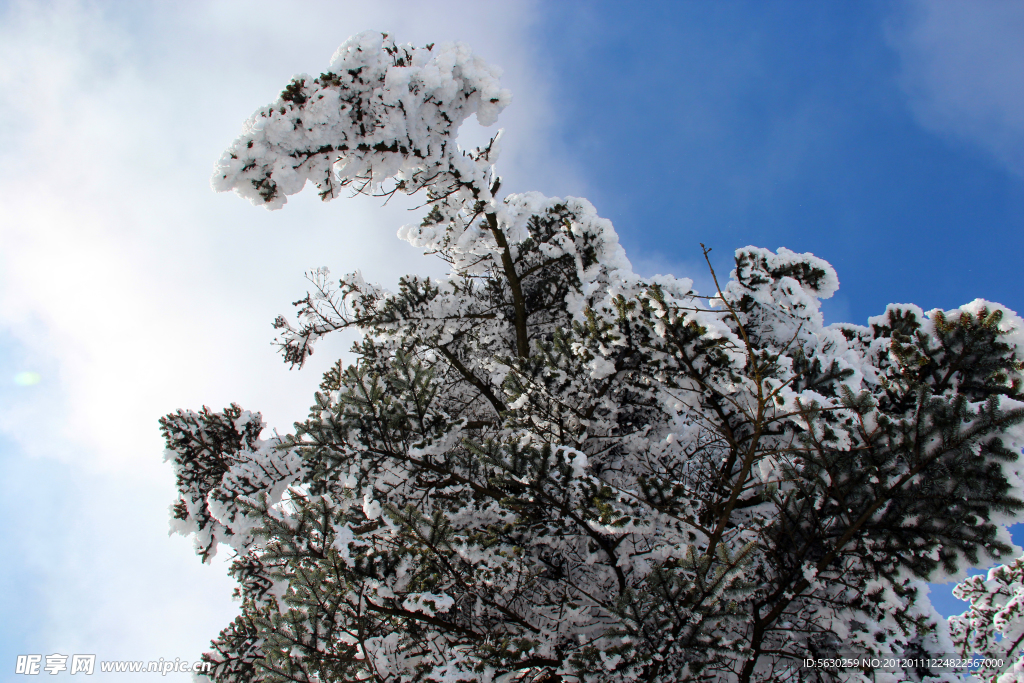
(962, 68)
(133, 290)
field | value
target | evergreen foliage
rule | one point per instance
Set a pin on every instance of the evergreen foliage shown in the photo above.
(547, 468)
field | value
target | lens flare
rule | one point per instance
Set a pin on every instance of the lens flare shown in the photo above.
(27, 379)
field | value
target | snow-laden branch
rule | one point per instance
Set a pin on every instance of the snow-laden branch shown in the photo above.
(382, 111)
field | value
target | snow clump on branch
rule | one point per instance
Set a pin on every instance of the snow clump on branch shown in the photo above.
(382, 111)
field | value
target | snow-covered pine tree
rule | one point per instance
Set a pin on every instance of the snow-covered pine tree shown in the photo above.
(548, 468)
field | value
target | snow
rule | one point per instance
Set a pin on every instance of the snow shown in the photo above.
(567, 477)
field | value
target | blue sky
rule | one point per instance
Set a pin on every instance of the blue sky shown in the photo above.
(788, 124)
(887, 138)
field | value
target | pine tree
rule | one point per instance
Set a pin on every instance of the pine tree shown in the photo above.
(547, 468)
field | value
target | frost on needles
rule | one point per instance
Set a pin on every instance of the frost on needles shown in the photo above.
(547, 468)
